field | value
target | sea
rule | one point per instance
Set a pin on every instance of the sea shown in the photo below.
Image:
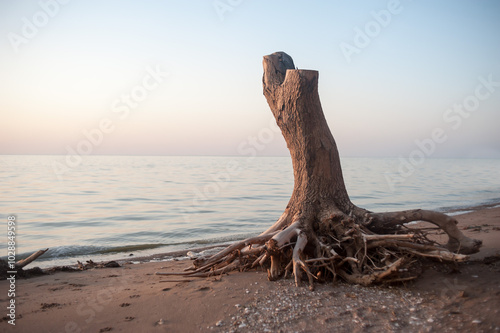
(116, 207)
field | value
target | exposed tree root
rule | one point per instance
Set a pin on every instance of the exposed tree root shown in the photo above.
(390, 222)
(345, 248)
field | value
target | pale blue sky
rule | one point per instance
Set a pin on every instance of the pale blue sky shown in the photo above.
(71, 72)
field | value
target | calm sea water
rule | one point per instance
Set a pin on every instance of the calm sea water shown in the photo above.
(112, 206)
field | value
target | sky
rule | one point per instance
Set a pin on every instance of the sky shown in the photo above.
(396, 78)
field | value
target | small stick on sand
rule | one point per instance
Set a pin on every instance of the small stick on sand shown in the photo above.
(185, 280)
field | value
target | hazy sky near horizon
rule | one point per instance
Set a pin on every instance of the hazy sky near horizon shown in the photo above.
(395, 76)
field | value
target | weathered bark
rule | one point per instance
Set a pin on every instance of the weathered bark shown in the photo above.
(294, 100)
(321, 232)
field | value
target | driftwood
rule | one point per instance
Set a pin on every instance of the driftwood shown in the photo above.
(322, 235)
(23, 262)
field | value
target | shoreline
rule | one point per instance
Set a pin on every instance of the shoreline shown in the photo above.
(176, 254)
(466, 210)
(446, 297)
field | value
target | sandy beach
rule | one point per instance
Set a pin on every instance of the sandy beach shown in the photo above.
(131, 298)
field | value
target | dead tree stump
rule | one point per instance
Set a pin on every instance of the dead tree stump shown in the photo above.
(321, 233)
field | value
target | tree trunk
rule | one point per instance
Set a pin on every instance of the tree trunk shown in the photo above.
(293, 98)
(321, 232)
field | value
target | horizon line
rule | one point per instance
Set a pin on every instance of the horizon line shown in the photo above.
(242, 156)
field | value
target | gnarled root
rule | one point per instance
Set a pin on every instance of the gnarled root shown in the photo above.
(298, 264)
(392, 221)
(336, 244)
(274, 251)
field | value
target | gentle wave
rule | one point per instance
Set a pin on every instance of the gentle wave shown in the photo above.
(69, 255)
